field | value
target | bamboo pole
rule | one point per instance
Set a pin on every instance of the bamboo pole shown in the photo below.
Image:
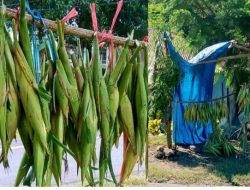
(205, 101)
(242, 48)
(226, 58)
(79, 32)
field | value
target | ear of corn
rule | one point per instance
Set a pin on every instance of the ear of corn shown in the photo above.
(23, 169)
(72, 143)
(49, 168)
(74, 98)
(117, 131)
(63, 54)
(93, 112)
(126, 115)
(84, 129)
(77, 72)
(65, 108)
(26, 133)
(3, 90)
(120, 65)
(13, 114)
(96, 73)
(124, 81)
(39, 156)
(24, 36)
(129, 163)
(55, 171)
(146, 86)
(31, 105)
(58, 131)
(105, 130)
(10, 65)
(13, 111)
(141, 107)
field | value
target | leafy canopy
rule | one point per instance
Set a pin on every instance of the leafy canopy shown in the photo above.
(133, 15)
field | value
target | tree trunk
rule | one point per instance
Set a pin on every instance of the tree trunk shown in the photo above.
(168, 126)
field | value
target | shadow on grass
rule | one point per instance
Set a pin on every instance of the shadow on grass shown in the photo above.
(235, 170)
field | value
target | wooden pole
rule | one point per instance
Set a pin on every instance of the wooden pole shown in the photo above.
(226, 58)
(242, 47)
(79, 32)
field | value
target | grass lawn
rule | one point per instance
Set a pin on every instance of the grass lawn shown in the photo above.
(189, 168)
(131, 182)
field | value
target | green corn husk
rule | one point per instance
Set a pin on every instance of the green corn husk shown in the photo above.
(13, 114)
(55, 171)
(72, 143)
(83, 101)
(107, 74)
(23, 169)
(96, 73)
(39, 158)
(141, 107)
(114, 103)
(45, 99)
(26, 134)
(78, 74)
(117, 131)
(129, 163)
(84, 132)
(79, 49)
(49, 168)
(44, 96)
(120, 65)
(70, 91)
(126, 115)
(112, 84)
(124, 80)
(60, 86)
(13, 111)
(146, 86)
(3, 91)
(105, 114)
(58, 131)
(145, 73)
(102, 106)
(61, 96)
(93, 111)
(25, 41)
(103, 165)
(31, 105)
(10, 65)
(105, 130)
(63, 54)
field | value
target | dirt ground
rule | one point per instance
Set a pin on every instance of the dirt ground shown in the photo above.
(187, 168)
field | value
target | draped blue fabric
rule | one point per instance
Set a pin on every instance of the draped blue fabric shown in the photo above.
(196, 85)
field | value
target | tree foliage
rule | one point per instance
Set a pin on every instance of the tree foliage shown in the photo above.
(133, 15)
(197, 24)
(167, 76)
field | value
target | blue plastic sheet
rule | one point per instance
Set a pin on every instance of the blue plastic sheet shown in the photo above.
(196, 85)
(36, 16)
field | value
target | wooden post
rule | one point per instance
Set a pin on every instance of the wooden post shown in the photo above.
(226, 58)
(79, 32)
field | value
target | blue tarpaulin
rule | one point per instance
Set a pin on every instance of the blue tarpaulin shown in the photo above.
(196, 85)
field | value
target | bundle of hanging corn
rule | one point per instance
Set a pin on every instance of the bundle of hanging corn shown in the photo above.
(64, 110)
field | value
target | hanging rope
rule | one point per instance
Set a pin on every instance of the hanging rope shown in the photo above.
(36, 16)
(17, 16)
(69, 30)
(145, 39)
(104, 36)
(205, 101)
(72, 14)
